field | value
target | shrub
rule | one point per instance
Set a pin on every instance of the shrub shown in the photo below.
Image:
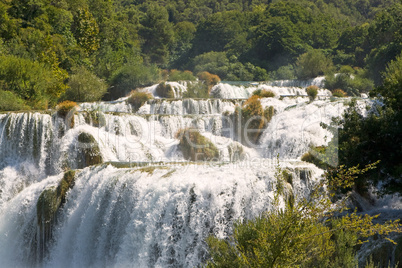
(36, 83)
(339, 93)
(85, 86)
(196, 147)
(11, 102)
(176, 75)
(264, 93)
(137, 99)
(255, 117)
(312, 64)
(65, 107)
(131, 76)
(209, 79)
(164, 90)
(312, 92)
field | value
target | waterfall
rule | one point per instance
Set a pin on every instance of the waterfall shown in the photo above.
(282, 88)
(132, 199)
(140, 217)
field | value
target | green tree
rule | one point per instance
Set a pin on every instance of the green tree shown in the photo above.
(85, 86)
(312, 64)
(131, 76)
(85, 30)
(34, 82)
(156, 32)
(392, 86)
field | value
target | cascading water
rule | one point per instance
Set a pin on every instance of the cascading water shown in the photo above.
(134, 201)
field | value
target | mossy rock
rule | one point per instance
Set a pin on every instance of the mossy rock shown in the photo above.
(287, 176)
(95, 118)
(48, 205)
(89, 151)
(196, 147)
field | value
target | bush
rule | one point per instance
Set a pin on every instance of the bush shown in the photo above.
(312, 92)
(264, 93)
(312, 64)
(164, 90)
(196, 147)
(85, 86)
(209, 79)
(65, 107)
(255, 117)
(176, 75)
(137, 99)
(11, 102)
(38, 84)
(339, 93)
(131, 76)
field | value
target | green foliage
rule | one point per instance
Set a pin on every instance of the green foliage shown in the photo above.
(137, 99)
(157, 33)
(176, 75)
(312, 92)
(11, 102)
(391, 89)
(130, 76)
(305, 233)
(85, 86)
(85, 30)
(312, 64)
(122, 42)
(196, 147)
(33, 82)
(364, 140)
(164, 90)
(284, 73)
(351, 80)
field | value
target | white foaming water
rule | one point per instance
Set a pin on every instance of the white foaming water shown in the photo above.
(191, 106)
(318, 81)
(158, 215)
(133, 218)
(293, 131)
(228, 91)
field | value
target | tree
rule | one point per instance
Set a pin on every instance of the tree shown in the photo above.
(312, 64)
(85, 86)
(34, 82)
(156, 32)
(391, 89)
(85, 30)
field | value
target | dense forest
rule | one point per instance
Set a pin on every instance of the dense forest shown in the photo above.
(85, 50)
